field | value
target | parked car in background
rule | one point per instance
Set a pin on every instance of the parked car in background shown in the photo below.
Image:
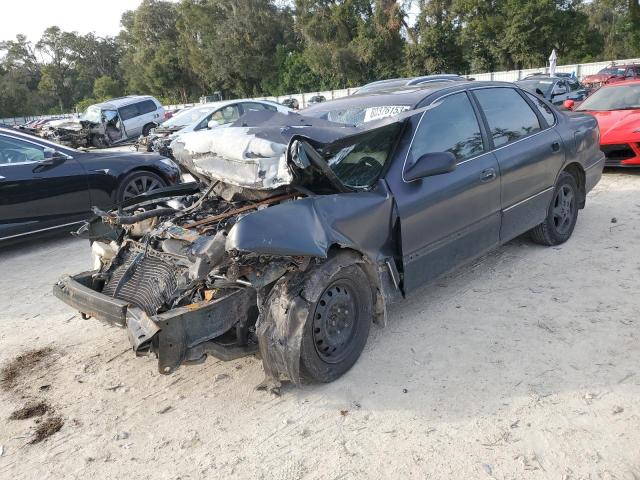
(394, 83)
(554, 89)
(617, 109)
(200, 117)
(46, 186)
(171, 113)
(317, 99)
(109, 123)
(291, 103)
(317, 225)
(611, 74)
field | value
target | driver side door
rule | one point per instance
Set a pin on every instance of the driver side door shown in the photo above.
(447, 219)
(38, 192)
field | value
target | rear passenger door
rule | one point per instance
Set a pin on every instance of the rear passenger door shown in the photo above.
(529, 153)
(450, 218)
(130, 117)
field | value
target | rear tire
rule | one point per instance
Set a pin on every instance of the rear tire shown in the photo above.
(562, 213)
(337, 324)
(137, 183)
(147, 129)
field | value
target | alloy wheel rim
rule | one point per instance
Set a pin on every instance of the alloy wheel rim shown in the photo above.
(563, 209)
(335, 322)
(140, 185)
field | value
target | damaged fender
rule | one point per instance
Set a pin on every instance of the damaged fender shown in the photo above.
(310, 226)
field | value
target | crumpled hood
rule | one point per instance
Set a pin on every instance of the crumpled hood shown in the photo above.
(618, 126)
(252, 152)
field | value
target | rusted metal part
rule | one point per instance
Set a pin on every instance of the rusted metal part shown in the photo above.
(246, 208)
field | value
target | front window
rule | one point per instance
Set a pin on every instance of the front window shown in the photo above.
(359, 165)
(92, 114)
(226, 115)
(14, 151)
(450, 126)
(623, 97)
(187, 117)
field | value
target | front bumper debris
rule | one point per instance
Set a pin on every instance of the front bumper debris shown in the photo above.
(181, 335)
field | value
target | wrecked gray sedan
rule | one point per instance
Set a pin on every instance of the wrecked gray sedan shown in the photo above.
(301, 229)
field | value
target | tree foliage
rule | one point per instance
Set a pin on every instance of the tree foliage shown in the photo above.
(179, 51)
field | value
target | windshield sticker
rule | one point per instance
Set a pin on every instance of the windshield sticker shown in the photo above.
(374, 113)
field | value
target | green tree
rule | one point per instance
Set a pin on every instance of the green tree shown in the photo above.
(438, 31)
(58, 74)
(152, 62)
(106, 87)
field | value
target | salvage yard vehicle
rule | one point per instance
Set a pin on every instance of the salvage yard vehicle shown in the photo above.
(45, 186)
(611, 74)
(616, 107)
(304, 228)
(200, 117)
(393, 83)
(554, 89)
(109, 123)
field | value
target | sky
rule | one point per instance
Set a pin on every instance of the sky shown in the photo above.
(32, 17)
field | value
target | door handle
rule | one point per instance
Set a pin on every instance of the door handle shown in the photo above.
(555, 147)
(488, 175)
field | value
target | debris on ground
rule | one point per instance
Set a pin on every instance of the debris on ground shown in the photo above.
(47, 428)
(617, 409)
(614, 220)
(30, 410)
(22, 364)
(121, 436)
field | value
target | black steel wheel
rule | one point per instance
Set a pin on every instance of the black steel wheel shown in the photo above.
(562, 213)
(138, 183)
(334, 322)
(337, 325)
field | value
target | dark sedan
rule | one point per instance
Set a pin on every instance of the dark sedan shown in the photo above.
(306, 227)
(555, 89)
(45, 186)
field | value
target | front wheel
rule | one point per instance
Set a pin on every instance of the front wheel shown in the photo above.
(137, 183)
(562, 213)
(337, 324)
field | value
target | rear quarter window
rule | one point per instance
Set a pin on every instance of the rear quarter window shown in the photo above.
(147, 106)
(543, 108)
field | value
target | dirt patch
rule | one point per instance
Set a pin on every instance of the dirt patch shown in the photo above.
(47, 428)
(31, 410)
(22, 364)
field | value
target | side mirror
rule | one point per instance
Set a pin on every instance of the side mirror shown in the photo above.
(212, 124)
(569, 104)
(430, 164)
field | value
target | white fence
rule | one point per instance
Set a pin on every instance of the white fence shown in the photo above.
(580, 71)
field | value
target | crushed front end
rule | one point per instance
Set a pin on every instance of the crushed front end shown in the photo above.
(166, 277)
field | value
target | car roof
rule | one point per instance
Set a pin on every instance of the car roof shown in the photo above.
(116, 103)
(410, 96)
(546, 76)
(621, 84)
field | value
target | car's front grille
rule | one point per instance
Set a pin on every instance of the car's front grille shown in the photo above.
(617, 153)
(143, 279)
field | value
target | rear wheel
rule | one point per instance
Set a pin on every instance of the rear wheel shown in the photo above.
(137, 183)
(147, 129)
(337, 324)
(562, 213)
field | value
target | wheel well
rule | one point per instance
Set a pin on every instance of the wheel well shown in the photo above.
(150, 170)
(577, 171)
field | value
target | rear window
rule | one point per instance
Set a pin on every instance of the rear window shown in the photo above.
(509, 116)
(147, 106)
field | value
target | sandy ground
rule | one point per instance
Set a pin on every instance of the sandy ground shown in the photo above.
(524, 365)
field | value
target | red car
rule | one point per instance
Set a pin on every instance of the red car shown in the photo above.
(617, 109)
(612, 74)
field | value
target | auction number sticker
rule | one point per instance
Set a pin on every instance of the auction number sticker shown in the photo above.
(374, 113)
